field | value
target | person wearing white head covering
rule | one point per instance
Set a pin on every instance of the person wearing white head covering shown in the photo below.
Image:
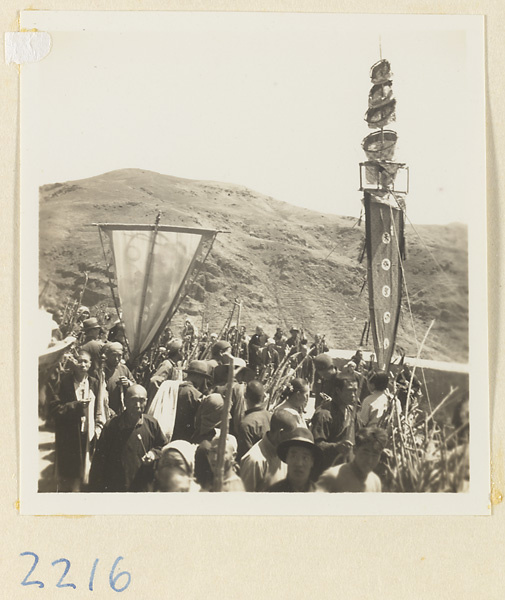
(175, 467)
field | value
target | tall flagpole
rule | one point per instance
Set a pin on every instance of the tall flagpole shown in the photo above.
(384, 217)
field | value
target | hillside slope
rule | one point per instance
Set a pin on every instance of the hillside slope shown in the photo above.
(288, 265)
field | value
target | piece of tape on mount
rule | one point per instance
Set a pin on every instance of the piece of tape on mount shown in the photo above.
(26, 46)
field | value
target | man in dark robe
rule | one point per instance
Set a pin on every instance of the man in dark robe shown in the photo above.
(237, 408)
(128, 441)
(188, 399)
(78, 419)
(333, 422)
(256, 345)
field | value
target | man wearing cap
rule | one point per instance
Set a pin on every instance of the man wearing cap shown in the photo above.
(218, 364)
(348, 371)
(358, 475)
(188, 399)
(219, 352)
(91, 344)
(333, 422)
(208, 419)
(91, 329)
(128, 441)
(261, 466)
(237, 408)
(303, 459)
(293, 342)
(279, 336)
(256, 345)
(167, 369)
(117, 375)
(117, 333)
(256, 420)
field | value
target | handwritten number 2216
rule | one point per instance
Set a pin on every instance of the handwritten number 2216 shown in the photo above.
(113, 577)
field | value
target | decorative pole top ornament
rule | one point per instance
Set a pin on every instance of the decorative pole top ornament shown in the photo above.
(378, 174)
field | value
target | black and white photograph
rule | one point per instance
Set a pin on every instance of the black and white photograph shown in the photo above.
(253, 260)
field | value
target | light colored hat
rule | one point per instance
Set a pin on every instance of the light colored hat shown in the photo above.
(231, 440)
(238, 364)
(184, 448)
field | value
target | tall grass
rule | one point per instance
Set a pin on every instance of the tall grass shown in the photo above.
(424, 455)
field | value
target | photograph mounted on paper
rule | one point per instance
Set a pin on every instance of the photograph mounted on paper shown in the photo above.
(260, 269)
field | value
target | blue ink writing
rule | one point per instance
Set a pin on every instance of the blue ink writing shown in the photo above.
(113, 579)
(36, 560)
(60, 584)
(92, 576)
(119, 581)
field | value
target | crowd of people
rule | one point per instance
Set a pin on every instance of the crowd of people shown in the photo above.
(157, 425)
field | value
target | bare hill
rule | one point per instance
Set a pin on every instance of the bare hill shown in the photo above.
(276, 259)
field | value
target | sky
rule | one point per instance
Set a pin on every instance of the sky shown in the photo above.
(275, 102)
